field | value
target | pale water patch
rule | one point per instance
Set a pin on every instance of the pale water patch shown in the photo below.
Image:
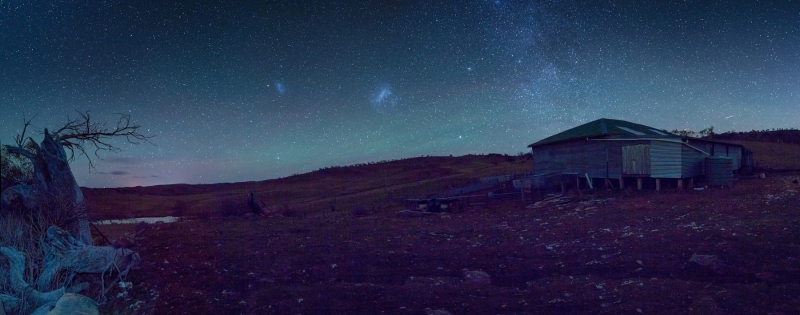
(150, 220)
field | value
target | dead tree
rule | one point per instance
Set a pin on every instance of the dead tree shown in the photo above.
(44, 217)
(52, 176)
(253, 205)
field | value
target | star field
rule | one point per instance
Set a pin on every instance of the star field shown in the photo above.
(252, 90)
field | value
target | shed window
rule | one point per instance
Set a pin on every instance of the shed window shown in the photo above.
(631, 131)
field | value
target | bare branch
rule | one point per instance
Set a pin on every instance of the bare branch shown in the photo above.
(82, 134)
(20, 151)
(28, 150)
(19, 139)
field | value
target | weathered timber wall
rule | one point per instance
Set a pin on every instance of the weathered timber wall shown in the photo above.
(636, 159)
(598, 158)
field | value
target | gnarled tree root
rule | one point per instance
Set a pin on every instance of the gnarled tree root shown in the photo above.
(62, 253)
(66, 253)
(32, 296)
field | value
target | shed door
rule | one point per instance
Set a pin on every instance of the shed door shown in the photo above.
(636, 159)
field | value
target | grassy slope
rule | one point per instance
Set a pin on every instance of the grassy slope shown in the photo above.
(345, 188)
(342, 188)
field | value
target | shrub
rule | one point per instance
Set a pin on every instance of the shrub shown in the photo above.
(230, 207)
(24, 229)
(290, 212)
(180, 208)
(253, 205)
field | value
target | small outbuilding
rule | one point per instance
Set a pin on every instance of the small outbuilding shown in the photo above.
(619, 153)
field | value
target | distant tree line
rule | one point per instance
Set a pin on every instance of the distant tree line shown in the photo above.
(774, 135)
(364, 164)
(509, 158)
(358, 164)
(699, 134)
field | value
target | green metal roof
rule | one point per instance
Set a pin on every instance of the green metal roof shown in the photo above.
(605, 127)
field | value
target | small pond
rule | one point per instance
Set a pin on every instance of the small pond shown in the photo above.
(150, 220)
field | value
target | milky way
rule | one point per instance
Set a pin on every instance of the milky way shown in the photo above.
(255, 90)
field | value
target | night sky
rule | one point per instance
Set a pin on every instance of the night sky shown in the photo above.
(253, 90)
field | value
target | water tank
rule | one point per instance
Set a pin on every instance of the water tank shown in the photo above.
(719, 171)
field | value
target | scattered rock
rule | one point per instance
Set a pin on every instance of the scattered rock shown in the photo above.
(476, 277)
(711, 261)
(704, 260)
(429, 311)
(71, 303)
(414, 214)
(556, 200)
(706, 305)
(766, 277)
(425, 282)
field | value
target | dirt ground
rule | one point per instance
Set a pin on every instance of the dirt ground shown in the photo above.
(713, 251)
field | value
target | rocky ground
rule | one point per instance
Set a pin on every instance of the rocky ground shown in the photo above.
(714, 251)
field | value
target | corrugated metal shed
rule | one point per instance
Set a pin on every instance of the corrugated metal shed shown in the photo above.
(665, 159)
(691, 164)
(616, 149)
(719, 170)
(717, 148)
